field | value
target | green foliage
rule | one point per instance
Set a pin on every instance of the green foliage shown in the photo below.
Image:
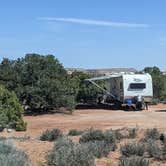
(40, 82)
(10, 156)
(164, 152)
(125, 133)
(163, 92)
(130, 149)
(92, 135)
(118, 134)
(159, 82)
(98, 148)
(134, 161)
(3, 121)
(153, 134)
(74, 132)
(86, 92)
(21, 126)
(132, 132)
(51, 135)
(67, 153)
(10, 110)
(154, 150)
(110, 139)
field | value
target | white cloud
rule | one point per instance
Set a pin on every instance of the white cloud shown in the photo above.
(95, 22)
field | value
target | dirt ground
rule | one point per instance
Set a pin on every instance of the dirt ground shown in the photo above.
(83, 119)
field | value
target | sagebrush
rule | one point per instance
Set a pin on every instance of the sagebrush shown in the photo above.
(130, 149)
(67, 153)
(75, 132)
(98, 148)
(51, 135)
(11, 156)
(134, 161)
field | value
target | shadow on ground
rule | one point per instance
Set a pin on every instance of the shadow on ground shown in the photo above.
(160, 111)
(82, 107)
(97, 106)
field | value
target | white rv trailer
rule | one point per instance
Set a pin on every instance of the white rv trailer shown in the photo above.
(127, 87)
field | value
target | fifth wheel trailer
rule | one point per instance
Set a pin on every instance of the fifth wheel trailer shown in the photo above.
(127, 89)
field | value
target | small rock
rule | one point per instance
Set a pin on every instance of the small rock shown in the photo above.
(9, 130)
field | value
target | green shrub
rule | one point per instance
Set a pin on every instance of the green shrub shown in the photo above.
(125, 133)
(21, 126)
(92, 135)
(153, 134)
(110, 138)
(132, 132)
(40, 82)
(74, 132)
(51, 135)
(98, 148)
(130, 149)
(118, 134)
(69, 102)
(10, 156)
(164, 152)
(134, 161)
(10, 111)
(154, 150)
(67, 153)
(3, 121)
(96, 136)
(87, 93)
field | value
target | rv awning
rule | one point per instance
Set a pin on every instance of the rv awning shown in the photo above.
(103, 77)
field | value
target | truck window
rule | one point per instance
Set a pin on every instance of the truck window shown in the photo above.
(137, 86)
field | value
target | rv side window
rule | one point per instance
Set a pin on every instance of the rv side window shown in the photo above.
(137, 86)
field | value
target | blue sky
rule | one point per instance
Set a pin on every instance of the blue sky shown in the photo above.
(86, 33)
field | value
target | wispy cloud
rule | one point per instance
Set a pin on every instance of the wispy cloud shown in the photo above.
(95, 22)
